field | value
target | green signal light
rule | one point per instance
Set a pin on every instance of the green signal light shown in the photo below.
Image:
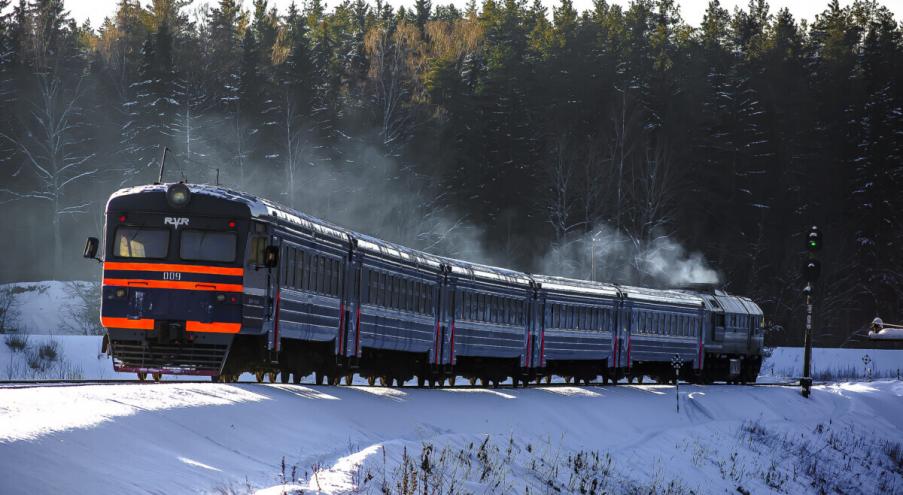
(813, 244)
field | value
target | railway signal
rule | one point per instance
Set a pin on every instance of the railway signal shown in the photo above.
(866, 360)
(676, 362)
(814, 240)
(811, 272)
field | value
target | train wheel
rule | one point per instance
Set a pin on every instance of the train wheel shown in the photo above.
(271, 377)
(384, 381)
(318, 377)
(296, 378)
(639, 379)
(629, 378)
(495, 383)
(568, 379)
(473, 381)
(157, 376)
(371, 380)
(284, 376)
(432, 382)
(349, 378)
(586, 381)
(515, 381)
(484, 381)
(259, 376)
(142, 376)
(451, 380)
(334, 380)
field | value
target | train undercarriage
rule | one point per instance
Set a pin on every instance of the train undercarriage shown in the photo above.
(224, 358)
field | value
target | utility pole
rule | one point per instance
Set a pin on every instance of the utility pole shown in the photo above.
(811, 270)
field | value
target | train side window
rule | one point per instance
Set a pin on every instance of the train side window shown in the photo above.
(395, 292)
(332, 278)
(424, 293)
(471, 306)
(321, 274)
(289, 263)
(314, 273)
(512, 311)
(314, 270)
(377, 282)
(493, 309)
(299, 268)
(258, 246)
(496, 310)
(390, 291)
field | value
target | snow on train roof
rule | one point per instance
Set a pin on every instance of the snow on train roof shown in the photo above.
(261, 207)
(660, 295)
(577, 286)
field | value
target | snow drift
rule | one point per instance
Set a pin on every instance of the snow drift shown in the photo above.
(169, 438)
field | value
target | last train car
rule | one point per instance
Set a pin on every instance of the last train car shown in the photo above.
(185, 276)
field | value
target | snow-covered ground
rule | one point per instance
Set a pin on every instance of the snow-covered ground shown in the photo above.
(45, 307)
(216, 438)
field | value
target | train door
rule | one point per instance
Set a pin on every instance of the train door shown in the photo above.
(439, 294)
(447, 332)
(272, 299)
(353, 283)
(535, 325)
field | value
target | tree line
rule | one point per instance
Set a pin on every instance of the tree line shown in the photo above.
(618, 143)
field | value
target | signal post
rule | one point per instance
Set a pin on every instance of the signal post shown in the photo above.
(811, 271)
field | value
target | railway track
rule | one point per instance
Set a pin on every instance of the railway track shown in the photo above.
(79, 383)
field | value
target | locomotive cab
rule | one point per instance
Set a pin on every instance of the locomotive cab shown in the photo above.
(174, 279)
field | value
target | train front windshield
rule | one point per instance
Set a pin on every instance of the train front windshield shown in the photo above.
(202, 245)
(134, 242)
(191, 245)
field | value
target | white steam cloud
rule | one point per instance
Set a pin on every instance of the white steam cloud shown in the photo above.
(610, 255)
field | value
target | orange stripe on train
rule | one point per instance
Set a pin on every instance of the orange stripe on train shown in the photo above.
(197, 326)
(142, 324)
(148, 324)
(171, 284)
(167, 267)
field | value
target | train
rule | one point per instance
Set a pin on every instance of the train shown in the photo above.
(204, 280)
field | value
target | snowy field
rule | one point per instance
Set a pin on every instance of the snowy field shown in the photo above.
(45, 307)
(273, 439)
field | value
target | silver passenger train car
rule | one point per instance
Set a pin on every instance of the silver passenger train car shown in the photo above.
(203, 280)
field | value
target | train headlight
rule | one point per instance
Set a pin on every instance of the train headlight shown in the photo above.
(178, 195)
